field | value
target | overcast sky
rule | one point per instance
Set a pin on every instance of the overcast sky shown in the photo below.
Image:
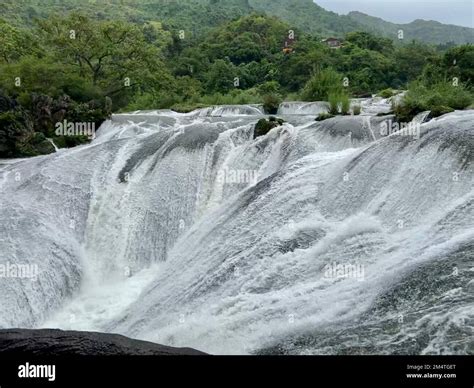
(458, 12)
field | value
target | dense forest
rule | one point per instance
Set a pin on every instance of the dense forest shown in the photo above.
(81, 63)
(198, 16)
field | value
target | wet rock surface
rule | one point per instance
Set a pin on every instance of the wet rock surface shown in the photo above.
(51, 342)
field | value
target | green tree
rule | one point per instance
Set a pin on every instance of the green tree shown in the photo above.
(297, 68)
(14, 42)
(459, 62)
(221, 76)
(410, 60)
(322, 84)
(367, 70)
(46, 76)
(369, 41)
(114, 55)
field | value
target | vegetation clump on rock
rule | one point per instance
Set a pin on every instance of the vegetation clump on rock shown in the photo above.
(264, 126)
(439, 97)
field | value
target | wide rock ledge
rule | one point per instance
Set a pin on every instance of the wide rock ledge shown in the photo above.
(53, 342)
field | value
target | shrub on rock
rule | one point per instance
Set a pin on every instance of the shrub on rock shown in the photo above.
(264, 126)
(271, 103)
(440, 110)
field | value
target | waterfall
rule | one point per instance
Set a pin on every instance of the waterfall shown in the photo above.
(326, 237)
(303, 108)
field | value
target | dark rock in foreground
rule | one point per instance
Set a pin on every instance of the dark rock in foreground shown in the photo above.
(49, 342)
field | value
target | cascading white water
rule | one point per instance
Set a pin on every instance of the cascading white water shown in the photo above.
(368, 106)
(303, 108)
(184, 230)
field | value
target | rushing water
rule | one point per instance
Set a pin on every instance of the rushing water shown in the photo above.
(318, 238)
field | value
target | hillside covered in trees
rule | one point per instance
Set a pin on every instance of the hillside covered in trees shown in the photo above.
(198, 16)
(66, 61)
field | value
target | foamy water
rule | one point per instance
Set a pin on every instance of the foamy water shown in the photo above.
(141, 234)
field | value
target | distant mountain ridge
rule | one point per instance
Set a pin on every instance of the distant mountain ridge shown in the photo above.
(198, 16)
(428, 31)
(309, 16)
